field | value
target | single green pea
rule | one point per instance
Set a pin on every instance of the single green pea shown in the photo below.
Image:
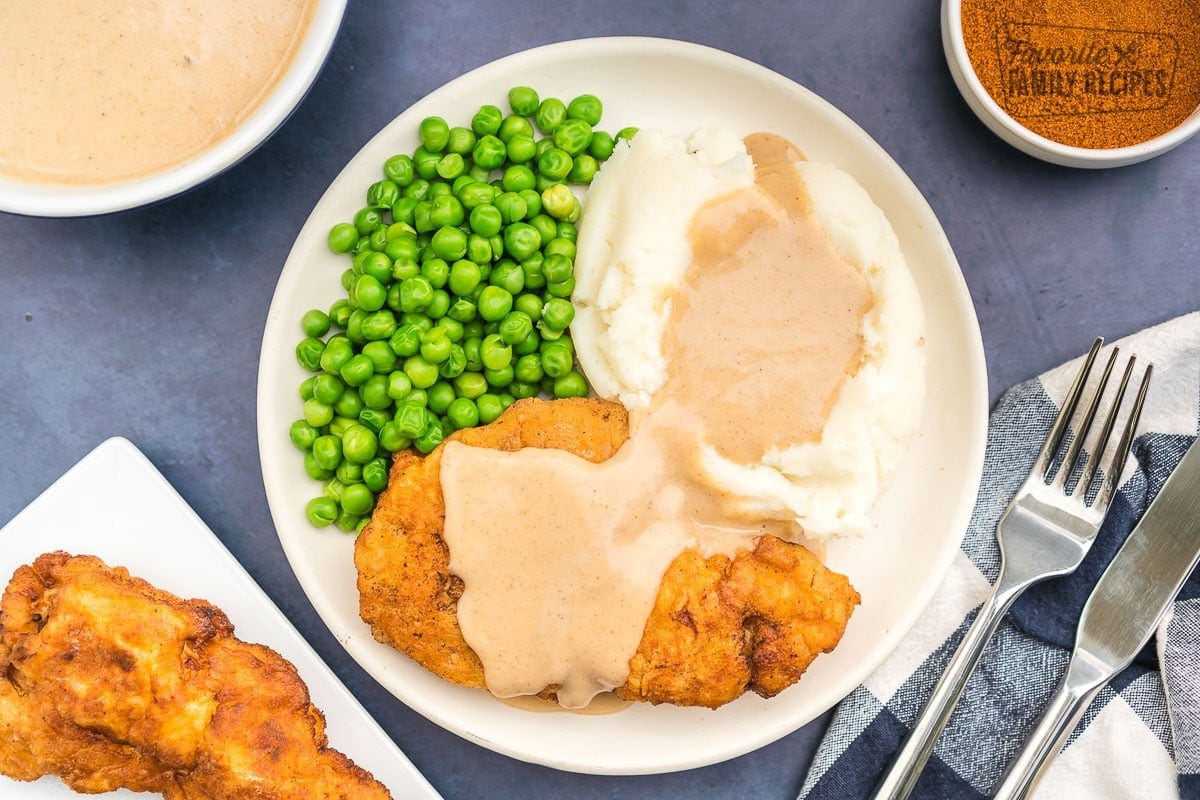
(464, 276)
(555, 164)
(399, 170)
(363, 243)
(356, 371)
(455, 364)
(497, 243)
(422, 373)
(377, 240)
(339, 425)
(441, 395)
(560, 202)
(309, 352)
(369, 293)
(542, 146)
(506, 400)
(463, 413)
(419, 189)
(461, 310)
(451, 327)
(570, 385)
(328, 389)
(567, 230)
(521, 390)
(332, 489)
(421, 321)
(518, 177)
(373, 418)
(530, 344)
(303, 434)
(573, 136)
(342, 237)
(486, 120)
(306, 387)
(486, 220)
(416, 293)
(327, 450)
(379, 267)
(528, 368)
(480, 174)
(350, 404)
(435, 134)
(421, 216)
(558, 313)
(367, 220)
(338, 350)
(475, 194)
(375, 474)
(550, 114)
(449, 243)
(471, 346)
(530, 305)
(378, 326)
(435, 345)
(562, 289)
(602, 145)
(514, 125)
(493, 303)
(359, 444)
(428, 441)
(339, 313)
(489, 407)
(586, 107)
(406, 341)
(391, 439)
(357, 499)
(450, 166)
(489, 152)
(398, 385)
(402, 210)
(315, 470)
(436, 271)
(515, 326)
(347, 522)
(523, 100)
(321, 511)
(499, 378)
(354, 326)
(557, 360)
(374, 391)
(405, 268)
(425, 163)
(439, 305)
(532, 267)
(521, 149)
(461, 140)
(521, 240)
(584, 169)
(382, 194)
(556, 268)
(446, 210)
(479, 249)
(410, 420)
(494, 352)
(509, 276)
(511, 207)
(470, 385)
(559, 247)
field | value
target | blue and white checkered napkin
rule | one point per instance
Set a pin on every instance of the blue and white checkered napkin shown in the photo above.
(1141, 738)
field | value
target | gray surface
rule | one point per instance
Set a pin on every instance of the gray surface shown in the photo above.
(147, 324)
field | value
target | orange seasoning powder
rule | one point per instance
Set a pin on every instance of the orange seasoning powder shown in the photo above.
(1088, 73)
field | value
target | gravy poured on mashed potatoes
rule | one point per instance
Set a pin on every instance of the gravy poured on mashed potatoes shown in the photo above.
(101, 91)
(562, 558)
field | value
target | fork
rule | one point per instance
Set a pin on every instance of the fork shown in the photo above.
(1045, 531)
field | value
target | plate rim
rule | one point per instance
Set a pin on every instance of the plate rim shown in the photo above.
(976, 368)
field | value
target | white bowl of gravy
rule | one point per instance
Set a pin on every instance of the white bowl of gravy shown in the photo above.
(110, 106)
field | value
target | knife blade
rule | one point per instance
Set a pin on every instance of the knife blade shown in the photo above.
(1123, 611)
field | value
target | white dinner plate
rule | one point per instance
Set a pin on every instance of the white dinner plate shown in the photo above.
(919, 523)
(115, 505)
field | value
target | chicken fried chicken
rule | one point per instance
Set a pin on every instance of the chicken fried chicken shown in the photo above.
(109, 682)
(719, 626)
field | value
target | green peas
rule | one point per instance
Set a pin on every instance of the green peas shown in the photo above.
(530, 344)
(626, 133)
(520, 390)
(494, 352)
(514, 126)
(557, 360)
(584, 169)
(528, 368)
(550, 114)
(379, 267)
(488, 407)
(350, 404)
(391, 439)
(425, 163)
(561, 288)
(601, 147)
(462, 310)
(406, 341)
(560, 202)
(573, 136)
(556, 268)
(523, 100)
(398, 385)
(454, 365)
(375, 474)
(306, 387)
(511, 207)
(558, 314)
(470, 385)
(430, 439)
(441, 395)
(464, 275)
(348, 523)
(382, 194)
(449, 243)
(489, 152)
(479, 249)
(410, 420)
(357, 499)
(461, 141)
(374, 392)
(328, 389)
(509, 276)
(486, 120)
(416, 293)
(399, 170)
(356, 371)
(321, 511)
(499, 378)
(436, 271)
(339, 314)
(332, 489)
(476, 194)
(486, 220)
(463, 413)
(515, 326)
(422, 373)
(338, 351)
(530, 305)
(435, 345)
(369, 293)
(327, 451)
(586, 107)
(521, 240)
(493, 303)
(378, 326)
(450, 166)
(302, 434)
(439, 305)
(446, 210)
(435, 134)
(367, 220)
(521, 148)
(359, 444)
(354, 326)
(418, 189)
(342, 237)
(518, 177)
(559, 247)
(309, 353)
(315, 470)
(570, 385)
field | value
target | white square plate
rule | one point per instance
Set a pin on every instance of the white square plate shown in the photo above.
(115, 505)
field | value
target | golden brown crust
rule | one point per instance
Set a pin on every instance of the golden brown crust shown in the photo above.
(718, 627)
(110, 682)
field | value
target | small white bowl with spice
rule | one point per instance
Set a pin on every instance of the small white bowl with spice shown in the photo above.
(113, 105)
(1095, 84)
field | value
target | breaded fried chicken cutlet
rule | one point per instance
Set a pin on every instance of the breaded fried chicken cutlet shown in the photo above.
(109, 682)
(719, 625)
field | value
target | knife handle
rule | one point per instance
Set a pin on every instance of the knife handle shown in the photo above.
(1083, 681)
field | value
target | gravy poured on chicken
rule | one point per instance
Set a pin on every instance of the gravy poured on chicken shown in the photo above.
(562, 558)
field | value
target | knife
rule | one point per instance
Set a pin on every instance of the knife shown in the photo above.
(1130, 600)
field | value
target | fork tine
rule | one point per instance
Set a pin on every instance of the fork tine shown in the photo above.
(1089, 474)
(1059, 429)
(1104, 496)
(1071, 459)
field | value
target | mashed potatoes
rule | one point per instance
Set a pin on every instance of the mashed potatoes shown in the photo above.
(633, 251)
